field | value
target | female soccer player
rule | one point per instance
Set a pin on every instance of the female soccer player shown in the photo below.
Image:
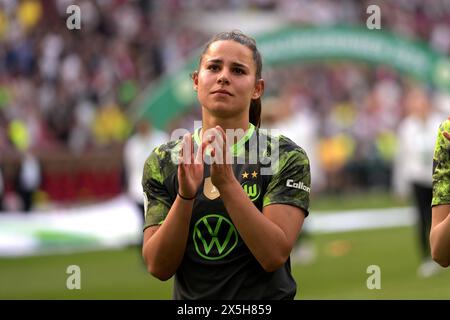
(440, 223)
(224, 228)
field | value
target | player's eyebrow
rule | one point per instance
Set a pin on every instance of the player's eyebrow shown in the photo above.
(233, 64)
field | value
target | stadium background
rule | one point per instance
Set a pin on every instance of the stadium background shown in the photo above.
(73, 97)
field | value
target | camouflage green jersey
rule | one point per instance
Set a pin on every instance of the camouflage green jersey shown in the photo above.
(217, 263)
(441, 167)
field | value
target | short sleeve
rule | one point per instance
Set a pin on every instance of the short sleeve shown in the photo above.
(291, 183)
(441, 167)
(157, 201)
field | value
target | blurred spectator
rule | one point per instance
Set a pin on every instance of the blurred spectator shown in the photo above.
(110, 125)
(414, 164)
(294, 117)
(136, 150)
(2, 190)
(29, 179)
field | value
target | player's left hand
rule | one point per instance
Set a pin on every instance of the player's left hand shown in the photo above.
(221, 167)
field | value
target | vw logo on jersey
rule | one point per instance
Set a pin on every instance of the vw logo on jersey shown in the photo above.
(251, 189)
(214, 237)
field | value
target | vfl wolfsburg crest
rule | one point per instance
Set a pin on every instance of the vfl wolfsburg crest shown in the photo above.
(250, 186)
(214, 237)
(251, 189)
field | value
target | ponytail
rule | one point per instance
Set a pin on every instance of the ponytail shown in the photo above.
(254, 113)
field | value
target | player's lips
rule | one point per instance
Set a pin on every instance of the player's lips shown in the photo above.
(222, 91)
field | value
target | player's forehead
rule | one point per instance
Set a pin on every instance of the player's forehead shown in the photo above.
(229, 52)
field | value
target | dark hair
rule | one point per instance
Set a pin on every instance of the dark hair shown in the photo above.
(239, 37)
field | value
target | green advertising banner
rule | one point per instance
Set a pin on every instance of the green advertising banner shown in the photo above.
(174, 94)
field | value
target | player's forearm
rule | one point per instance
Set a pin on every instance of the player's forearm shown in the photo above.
(440, 242)
(164, 251)
(265, 239)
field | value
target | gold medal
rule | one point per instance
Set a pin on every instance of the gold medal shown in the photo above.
(209, 190)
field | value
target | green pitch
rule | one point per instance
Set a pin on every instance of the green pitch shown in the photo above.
(338, 272)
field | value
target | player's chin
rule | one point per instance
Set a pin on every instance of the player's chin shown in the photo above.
(222, 108)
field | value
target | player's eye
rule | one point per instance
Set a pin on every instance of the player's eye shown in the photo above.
(213, 67)
(238, 71)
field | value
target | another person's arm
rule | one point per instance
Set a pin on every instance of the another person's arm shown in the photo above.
(440, 225)
(440, 235)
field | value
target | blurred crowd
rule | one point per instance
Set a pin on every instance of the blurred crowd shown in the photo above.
(63, 88)
(73, 90)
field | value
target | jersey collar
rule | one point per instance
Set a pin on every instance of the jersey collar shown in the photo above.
(235, 149)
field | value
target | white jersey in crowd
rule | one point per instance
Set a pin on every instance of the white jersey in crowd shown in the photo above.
(414, 158)
(302, 128)
(136, 151)
(30, 174)
(1, 183)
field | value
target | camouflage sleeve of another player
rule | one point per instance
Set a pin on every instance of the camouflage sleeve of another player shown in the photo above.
(157, 200)
(441, 167)
(291, 183)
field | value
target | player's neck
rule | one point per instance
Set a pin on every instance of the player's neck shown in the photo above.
(226, 124)
(208, 123)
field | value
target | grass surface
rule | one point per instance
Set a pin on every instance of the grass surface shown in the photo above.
(340, 269)
(338, 272)
(376, 199)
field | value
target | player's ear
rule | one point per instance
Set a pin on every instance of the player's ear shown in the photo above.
(259, 89)
(194, 77)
